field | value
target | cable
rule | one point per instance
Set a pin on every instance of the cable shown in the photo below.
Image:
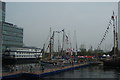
(104, 36)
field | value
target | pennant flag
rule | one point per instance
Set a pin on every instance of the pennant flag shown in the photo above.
(66, 37)
(63, 30)
(112, 17)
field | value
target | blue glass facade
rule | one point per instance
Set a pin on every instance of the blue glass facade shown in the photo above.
(2, 11)
(12, 36)
(0, 35)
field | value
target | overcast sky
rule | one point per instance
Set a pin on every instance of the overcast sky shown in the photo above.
(88, 19)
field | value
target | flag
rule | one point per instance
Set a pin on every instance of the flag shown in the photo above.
(112, 17)
(108, 27)
(63, 30)
(66, 37)
(57, 31)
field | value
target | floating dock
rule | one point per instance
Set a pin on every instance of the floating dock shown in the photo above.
(41, 74)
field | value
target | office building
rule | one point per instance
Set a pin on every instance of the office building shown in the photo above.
(0, 35)
(119, 26)
(2, 11)
(12, 36)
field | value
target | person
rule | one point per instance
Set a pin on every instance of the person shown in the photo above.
(42, 67)
(16, 68)
(62, 64)
(72, 63)
(79, 62)
(30, 68)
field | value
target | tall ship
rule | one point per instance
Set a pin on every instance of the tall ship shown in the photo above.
(114, 61)
(21, 55)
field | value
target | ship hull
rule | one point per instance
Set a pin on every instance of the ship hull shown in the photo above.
(112, 63)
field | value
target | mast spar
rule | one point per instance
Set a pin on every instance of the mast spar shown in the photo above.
(50, 45)
(75, 42)
(63, 42)
(115, 32)
(116, 36)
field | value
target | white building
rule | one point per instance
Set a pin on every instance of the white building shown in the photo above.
(25, 52)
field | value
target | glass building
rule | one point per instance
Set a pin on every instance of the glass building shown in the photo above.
(2, 18)
(2, 11)
(0, 37)
(12, 36)
(119, 26)
(0, 26)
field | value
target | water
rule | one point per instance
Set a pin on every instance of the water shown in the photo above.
(87, 72)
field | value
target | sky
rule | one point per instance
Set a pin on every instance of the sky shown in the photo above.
(89, 19)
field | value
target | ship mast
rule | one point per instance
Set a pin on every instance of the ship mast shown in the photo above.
(63, 42)
(75, 42)
(115, 33)
(58, 41)
(50, 46)
(114, 38)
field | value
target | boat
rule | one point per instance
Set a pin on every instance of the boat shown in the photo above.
(21, 55)
(52, 56)
(114, 61)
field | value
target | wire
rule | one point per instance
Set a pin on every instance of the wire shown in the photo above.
(104, 36)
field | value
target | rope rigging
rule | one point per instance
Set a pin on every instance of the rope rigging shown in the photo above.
(113, 22)
(104, 36)
(65, 39)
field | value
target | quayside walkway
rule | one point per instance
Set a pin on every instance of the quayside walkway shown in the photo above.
(42, 73)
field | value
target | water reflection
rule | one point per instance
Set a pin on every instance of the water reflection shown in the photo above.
(89, 72)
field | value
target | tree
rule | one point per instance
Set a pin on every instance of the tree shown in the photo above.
(82, 49)
(90, 50)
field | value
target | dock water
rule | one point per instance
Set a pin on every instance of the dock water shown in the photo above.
(33, 74)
